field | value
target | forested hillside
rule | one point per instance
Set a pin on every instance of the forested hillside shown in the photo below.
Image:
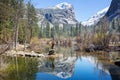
(18, 22)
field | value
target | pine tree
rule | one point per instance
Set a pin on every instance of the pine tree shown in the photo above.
(48, 30)
(32, 20)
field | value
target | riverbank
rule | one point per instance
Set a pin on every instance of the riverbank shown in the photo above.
(23, 53)
(59, 65)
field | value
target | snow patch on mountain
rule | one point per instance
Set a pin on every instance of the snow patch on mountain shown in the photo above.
(95, 18)
(63, 5)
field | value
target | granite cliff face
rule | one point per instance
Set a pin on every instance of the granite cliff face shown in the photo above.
(112, 19)
(62, 13)
(114, 10)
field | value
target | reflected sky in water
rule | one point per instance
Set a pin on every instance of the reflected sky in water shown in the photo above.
(84, 70)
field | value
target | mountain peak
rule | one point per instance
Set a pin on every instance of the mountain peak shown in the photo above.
(95, 18)
(63, 5)
(61, 13)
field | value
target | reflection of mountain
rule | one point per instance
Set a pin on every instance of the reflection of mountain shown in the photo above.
(84, 70)
(63, 67)
(45, 76)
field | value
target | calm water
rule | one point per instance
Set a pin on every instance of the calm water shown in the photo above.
(86, 68)
(18, 68)
(78, 68)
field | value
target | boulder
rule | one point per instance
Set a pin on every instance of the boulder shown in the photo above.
(51, 52)
(117, 62)
(90, 48)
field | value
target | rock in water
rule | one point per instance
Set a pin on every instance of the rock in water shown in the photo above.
(51, 52)
(117, 63)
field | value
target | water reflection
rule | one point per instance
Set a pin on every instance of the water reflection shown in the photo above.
(18, 68)
(78, 67)
(50, 63)
(85, 69)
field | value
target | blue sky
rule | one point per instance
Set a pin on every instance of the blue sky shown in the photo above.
(83, 8)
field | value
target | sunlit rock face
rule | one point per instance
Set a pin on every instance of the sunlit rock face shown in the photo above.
(60, 13)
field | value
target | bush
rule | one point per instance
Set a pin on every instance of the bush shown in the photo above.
(35, 40)
(35, 45)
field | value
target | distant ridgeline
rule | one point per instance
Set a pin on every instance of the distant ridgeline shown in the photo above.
(112, 20)
(104, 27)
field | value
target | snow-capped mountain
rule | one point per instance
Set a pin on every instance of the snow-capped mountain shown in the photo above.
(63, 5)
(95, 19)
(61, 13)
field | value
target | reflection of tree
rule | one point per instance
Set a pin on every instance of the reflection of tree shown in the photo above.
(21, 68)
(101, 66)
(50, 62)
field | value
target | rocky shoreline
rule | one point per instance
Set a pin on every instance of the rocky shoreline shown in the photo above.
(23, 53)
